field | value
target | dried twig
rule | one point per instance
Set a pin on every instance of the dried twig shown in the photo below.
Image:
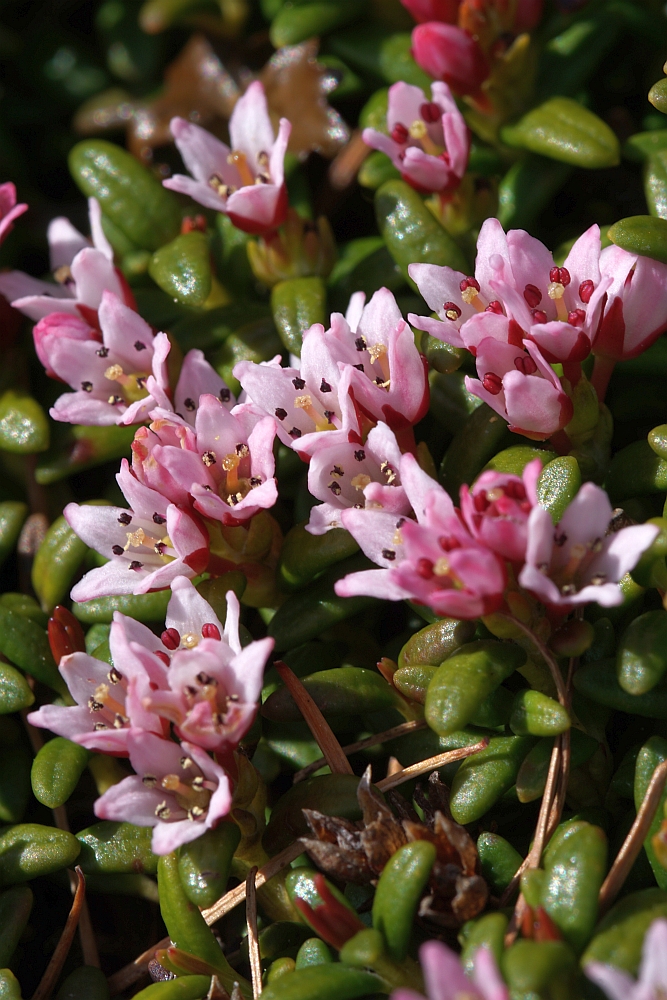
(253, 940)
(318, 725)
(266, 872)
(634, 841)
(430, 764)
(370, 741)
(55, 966)
(345, 166)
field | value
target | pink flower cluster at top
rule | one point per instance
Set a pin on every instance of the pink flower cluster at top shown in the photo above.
(194, 677)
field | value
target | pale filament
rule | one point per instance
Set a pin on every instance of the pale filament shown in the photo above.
(419, 131)
(556, 291)
(105, 698)
(471, 296)
(378, 352)
(305, 403)
(238, 160)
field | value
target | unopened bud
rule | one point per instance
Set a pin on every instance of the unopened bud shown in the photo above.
(573, 638)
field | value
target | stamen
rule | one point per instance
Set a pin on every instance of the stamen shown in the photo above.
(400, 134)
(361, 481)
(378, 352)
(388, 554)
(189, 640)
(586, 289)
(451, 311)
(238, 160)
(556, 291)
(171, 638)
(492, 383)
(305, 403)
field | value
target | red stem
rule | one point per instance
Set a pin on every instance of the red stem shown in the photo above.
(602, 372)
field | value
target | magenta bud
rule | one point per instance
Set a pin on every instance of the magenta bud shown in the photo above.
(448, 53)
(573, 638)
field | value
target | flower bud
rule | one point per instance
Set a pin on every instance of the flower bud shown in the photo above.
(573, 638)
(450, 54)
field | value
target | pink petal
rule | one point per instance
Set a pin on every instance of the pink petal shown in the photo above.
(100, 242)
(64, 242)
(371, 583)
(443, 975)
(202, 154)
(618, 985)
(198, 377)
(199, 191)
(534, 405)
(94, 274)
(250, 128)
(187, 610)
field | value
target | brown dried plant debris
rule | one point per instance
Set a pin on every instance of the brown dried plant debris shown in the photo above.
(357, 852)
(199, 87)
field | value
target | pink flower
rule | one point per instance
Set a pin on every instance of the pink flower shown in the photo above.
(520, 386)
(147, 546)
(496, 509)
(448, 53)
(178, 790)
(118, 369)
(83, 273)
(246, 182)
(108, 698)
(517, 294)
(108, 368)
(577, 561)
(224, 467)
(213, 685)
(433, 10)
(428, 140)
(652, 981)
(445, 979)
(433, 560)
(9, 210)
(636, 310)
(351, 474)
(374, 371)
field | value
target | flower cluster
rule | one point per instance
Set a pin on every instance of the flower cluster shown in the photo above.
(520, 314)
(351, 406)
(457, 561)
(196, 678)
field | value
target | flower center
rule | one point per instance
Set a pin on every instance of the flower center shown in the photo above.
(133, 386)
(322, 421)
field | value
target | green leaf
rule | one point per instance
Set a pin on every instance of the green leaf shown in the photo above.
(24, 427)
(641, 234)
(128, 192)
(655, 184)
(657, 95)
(563, 130)
(182, 268)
